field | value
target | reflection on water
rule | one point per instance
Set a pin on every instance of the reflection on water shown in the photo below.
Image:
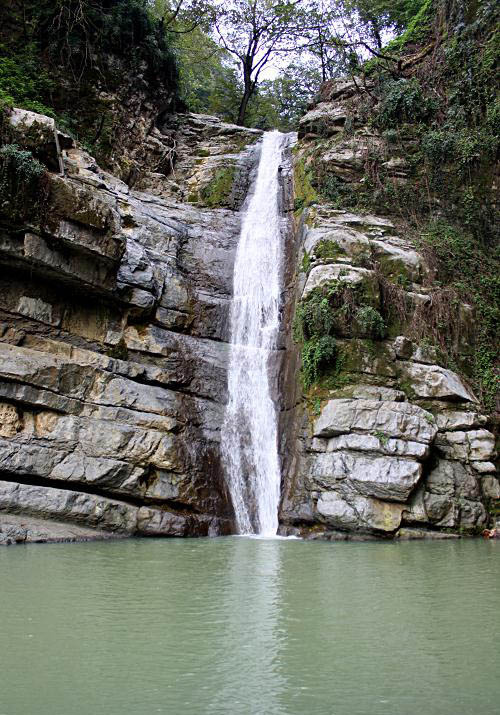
(249, 610)
(241, 626)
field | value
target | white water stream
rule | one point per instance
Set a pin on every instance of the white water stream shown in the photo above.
(249, 438)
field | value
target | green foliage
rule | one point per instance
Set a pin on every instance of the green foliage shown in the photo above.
(465, 148)
(23, 80)
(281, 102)
(406, 386)
(382, 437)
(57, 56)
(327, 311)
(313, 317)
(22, 186)
(209, 83)
(403, 100)
(73, 33)
(306, 263)
(316, 408)
(338, 193)
(326, 249)
(317, 352)
(371, 322)
(417, 25)
(472, 270)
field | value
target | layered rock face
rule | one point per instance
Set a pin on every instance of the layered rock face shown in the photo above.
(113, 341)
(389, 441)
(114, 332)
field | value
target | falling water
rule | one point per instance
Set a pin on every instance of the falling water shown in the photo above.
(249, 433)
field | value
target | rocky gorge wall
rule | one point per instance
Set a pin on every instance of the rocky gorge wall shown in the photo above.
(114, 342)
(389, 441)
(113, 335)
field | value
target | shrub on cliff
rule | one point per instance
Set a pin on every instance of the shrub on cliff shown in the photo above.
(23, 187)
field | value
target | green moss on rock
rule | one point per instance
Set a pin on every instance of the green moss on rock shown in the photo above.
(327, 249)
(218, 192)
(305, 195)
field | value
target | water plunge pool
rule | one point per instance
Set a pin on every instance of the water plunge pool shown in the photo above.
(243, 626)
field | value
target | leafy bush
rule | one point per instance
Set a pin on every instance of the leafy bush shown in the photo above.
(316, 354)
(23, 81)
(313, 317)
(466, 148)
(22, 186)
(401, 101)
(371, 322)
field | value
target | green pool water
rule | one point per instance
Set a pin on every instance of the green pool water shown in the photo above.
(243, 626)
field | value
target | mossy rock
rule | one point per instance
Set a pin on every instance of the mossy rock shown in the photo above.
(394, 270)
(218, 192)
(305, 195)
(368, 356)
(328, 250)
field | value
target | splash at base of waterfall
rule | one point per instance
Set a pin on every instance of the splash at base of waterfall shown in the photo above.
(249, 438)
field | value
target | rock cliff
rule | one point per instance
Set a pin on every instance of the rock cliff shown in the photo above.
(114, 341)
(389, 440)
(113, 334)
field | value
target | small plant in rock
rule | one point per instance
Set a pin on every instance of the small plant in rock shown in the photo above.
(382, 437)
(306, 263)
(316, 408)
(316, 353)
(371, 322)
(326, 249)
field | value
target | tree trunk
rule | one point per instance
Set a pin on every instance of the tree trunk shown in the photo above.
(243, 108)
(249, 90)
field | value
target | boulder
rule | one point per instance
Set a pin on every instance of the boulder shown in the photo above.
(322, 274)
(434, 382)
(358, 512)
(390, 478)
(324, 119)
(400, 420)
(473, 445)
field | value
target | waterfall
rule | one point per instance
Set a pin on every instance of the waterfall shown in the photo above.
(249, 438)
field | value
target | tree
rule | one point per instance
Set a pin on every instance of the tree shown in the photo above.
(182, 17)
(282, 101)
(254, 31)
(209, 81)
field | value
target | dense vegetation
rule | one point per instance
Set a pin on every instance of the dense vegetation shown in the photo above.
(433, 98)
(58, 58)
(54, 52)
